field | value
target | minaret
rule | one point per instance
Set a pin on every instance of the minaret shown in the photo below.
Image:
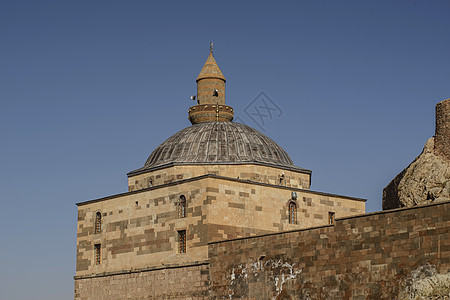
(210, 95)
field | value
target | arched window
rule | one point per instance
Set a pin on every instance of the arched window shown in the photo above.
(98, 222)
(182, 207)
(292, 213)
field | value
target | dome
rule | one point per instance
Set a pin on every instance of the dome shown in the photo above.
(218, 143)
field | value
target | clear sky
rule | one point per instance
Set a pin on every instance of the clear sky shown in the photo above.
(89, 88)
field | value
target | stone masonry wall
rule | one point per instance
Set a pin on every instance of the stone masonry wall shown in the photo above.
(256, 173)
(182, 282)
(397, 254)
(442, 133)
(240, 209)
(140, 229)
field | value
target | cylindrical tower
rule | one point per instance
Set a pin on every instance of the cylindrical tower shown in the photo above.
(211, 83)
(210, 95)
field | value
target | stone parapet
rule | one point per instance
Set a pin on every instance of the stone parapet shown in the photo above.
(210, 113)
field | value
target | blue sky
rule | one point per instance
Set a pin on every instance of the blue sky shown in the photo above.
(90, 88)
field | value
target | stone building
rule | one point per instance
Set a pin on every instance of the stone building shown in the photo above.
(212, 181)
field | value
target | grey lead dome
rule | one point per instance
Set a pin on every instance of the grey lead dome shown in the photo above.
(218, 143)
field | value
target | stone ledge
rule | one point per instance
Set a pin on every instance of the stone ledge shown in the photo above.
(140, 270)
(143, 170)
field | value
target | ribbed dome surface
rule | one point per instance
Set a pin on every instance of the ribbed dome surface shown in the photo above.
(218, 143)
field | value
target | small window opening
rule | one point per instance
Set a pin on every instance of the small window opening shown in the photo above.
(98, 253)
(292, 213)
(182, 241)
(282, 178)
(98, 222)
(331, 216)
(216, 93)
(182, 207)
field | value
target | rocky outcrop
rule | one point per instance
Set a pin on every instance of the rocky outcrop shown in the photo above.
(425, 283)
(427, 178)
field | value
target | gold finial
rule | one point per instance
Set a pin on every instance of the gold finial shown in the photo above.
(211, 44)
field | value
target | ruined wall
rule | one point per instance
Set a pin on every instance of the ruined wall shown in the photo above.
(403, 254)
(176, 282)
(442, 132)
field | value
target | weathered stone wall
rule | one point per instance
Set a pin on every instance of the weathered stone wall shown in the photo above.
(442, 133)
(398, 254)
(176, 282)
(256, 173)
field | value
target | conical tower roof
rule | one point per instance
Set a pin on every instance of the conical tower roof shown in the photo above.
(210, 69)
